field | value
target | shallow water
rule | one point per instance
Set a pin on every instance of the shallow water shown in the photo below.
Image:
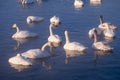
(90, 65)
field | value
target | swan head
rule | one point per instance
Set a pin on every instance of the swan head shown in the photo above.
(14, 26)
(55, 21)
(29, 20)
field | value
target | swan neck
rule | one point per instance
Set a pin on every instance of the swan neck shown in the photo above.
(95, 37)
(101, 20)
(67, 38)
(17, 29)
(44, 46)
(50, 28)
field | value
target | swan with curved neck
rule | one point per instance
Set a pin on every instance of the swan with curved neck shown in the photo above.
(54, 38)
(78, 3)
(73, 45)
(55, 21)
(91, 32)
(31, 19)
(103, 26)
(108, 32)
(22, 33)
(19, 60)
(37, 53)
(99, 45)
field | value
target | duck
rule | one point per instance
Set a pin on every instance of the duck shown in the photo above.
(108, 32)
(99, 45)
(55, 20)
(31, 19)
(74, 46)
(91, 32)
(78, 3)
(54, 38)
(20, 60)
(37, 53)
(103, 26)
(23, 33)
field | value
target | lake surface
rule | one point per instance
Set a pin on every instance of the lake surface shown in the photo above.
(89, 66)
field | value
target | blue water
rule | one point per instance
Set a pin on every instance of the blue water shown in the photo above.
(89, 66)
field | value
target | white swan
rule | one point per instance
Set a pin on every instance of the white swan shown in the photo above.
(108, 32)
(19, 60)
(100, 45)
(91, 32)
(95, 2)
(103, 26)
(31, 19)
(54, 38)
(78, 3)
(37, 53)
(73, 45)
(55, 20)
(22, 33)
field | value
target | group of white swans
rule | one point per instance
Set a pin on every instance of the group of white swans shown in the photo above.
(23, 58)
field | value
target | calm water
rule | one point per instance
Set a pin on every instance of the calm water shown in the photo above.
(89, 66)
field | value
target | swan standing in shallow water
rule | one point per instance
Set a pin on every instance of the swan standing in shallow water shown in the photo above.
(78, 3)
(103, 26)
(73, 45)
(53, 37)
(91, 32)
(108, 32)
(100, 45)
(22, 33)
(19, 60)
(31, 19)
(37, 53)
(55, 21)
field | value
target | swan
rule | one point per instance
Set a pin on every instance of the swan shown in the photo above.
(73, 45)
(31, 19)
(103, 26)
(100, 45)
(108, 32)
(78, 3)
(95, 0)
(91, 32)
(19, 60)
(22, 33)
(54, 38)
(37, 53)
(55, 21)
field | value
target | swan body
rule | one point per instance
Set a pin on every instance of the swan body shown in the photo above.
(103, 25)
(72, 45)
(31, 19)
(19, 60)
(54, 37)
(100, 45)
(108, 32)
(55, 20)
(91, 32)
(78, 3)
(37, 53)
(22, 33)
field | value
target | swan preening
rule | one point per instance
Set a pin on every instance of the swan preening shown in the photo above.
(91, 32)
(37, 53)
(19, 60)
(31, 19)
(55, 21)
(103, 25)
(99, 45)
(54, 38)
(73, 45)
(78, 3)
(22, 33)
